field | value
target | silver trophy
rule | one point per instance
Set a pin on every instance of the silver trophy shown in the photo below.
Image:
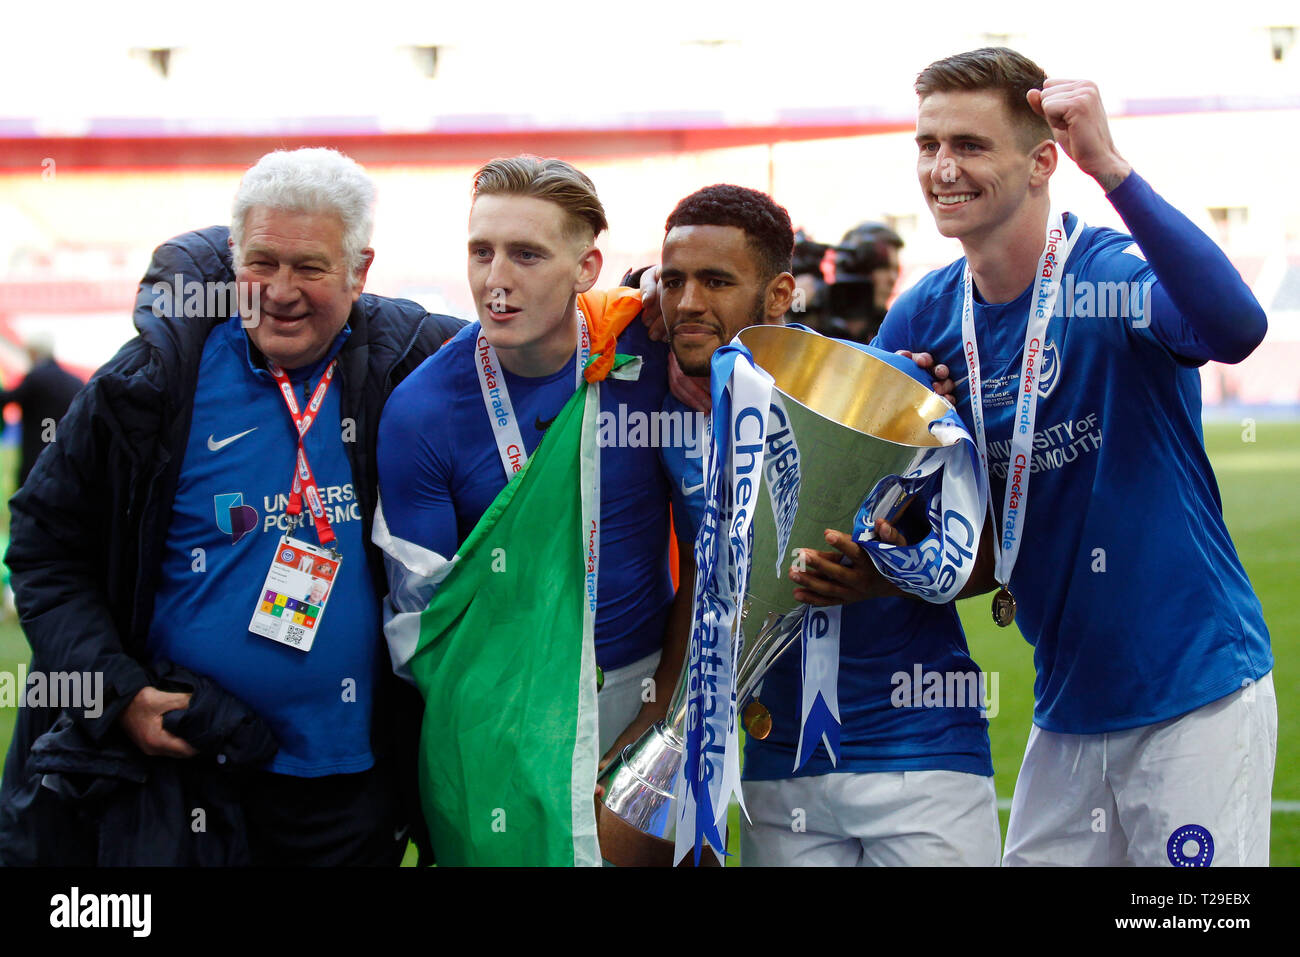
(855, 420)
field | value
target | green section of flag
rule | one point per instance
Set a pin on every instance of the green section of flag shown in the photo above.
(500, 665)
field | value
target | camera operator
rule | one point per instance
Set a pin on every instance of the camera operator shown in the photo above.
(866, 270)
(809, 305)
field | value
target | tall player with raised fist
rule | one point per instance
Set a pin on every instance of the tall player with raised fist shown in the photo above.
(1076, 351)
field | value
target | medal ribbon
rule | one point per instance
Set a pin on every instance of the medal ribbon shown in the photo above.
(304, 480)
(496, 396)
(1047, 286)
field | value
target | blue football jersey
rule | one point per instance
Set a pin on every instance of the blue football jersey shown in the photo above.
(1127, 582)
(228, 517)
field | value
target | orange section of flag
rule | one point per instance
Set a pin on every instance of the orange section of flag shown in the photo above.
(608, 313)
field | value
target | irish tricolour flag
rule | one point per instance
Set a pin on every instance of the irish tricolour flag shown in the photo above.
(506, 663)
(500, 641)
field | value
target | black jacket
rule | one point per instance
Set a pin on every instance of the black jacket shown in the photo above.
(88, 528)
(145, 810)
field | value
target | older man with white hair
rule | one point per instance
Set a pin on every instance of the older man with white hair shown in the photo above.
(207, 483)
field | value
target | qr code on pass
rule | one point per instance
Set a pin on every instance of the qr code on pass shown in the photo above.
(294, 634)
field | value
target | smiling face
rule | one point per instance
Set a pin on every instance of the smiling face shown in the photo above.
(978, 179)
(305, 288)
(527, 263)
(712, 288)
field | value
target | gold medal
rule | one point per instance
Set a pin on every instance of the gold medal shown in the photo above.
(1004, 607)
(757, 720)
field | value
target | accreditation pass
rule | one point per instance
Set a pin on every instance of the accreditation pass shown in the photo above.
(292, 602)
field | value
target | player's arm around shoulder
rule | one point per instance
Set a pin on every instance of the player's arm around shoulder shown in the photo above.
(417, 333)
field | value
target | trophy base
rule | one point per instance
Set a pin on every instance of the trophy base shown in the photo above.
(623, 845)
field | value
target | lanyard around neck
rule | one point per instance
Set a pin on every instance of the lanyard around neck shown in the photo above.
(496, 396)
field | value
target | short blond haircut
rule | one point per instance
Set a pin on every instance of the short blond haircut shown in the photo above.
(550, 179)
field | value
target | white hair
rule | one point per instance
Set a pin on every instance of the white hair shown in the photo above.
(310, 181)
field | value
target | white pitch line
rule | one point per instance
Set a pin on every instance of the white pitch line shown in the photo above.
(1279, 807)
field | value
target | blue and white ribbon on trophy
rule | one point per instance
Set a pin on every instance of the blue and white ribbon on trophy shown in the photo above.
(819, 713)
(954, 488)
(710, 767)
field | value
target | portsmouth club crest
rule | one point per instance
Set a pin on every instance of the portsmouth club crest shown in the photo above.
(1050, 371)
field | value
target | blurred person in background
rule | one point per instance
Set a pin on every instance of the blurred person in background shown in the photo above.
(808, 305)
(44, 394)
(866, 271)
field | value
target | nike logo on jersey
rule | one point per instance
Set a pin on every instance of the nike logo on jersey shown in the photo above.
(542, 426)
(690, 489)
(217, 446)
